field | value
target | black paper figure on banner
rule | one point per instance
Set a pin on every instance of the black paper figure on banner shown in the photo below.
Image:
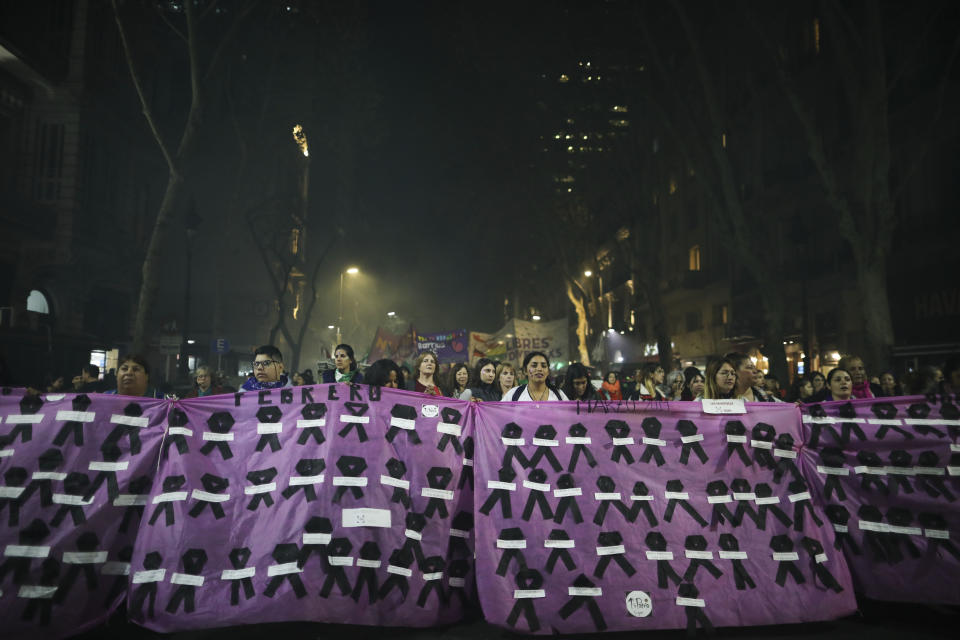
(641, 504)
(306, 468)
(527, 580)
(782, 544)
(49, 572)
(579, 431)
(606, 485)
(30, 405)
(511, 553)
(763, 492)
(459, 568)
(744, 507)
(318, 527)
(802, 504)
(312, 411)
(81, 403)
(561, 553)
(239, 557)
(193, 561)
(834, 460)
(887, 411)
(690, 442)
(178, 419)
(785, 463)
(575, 602)
(269, 415)
(567, 503)
(546, 433)
(849, 428)
(950, 411)
(350, 467)
(405, 415)
(736, 434)
(75, 487)
(695, 615)
(902, 518)
(395, 469)
(874, 537)
(651, 432)
(869, 481)
(415, 524)
(432, 565)
(449, 415)
(698, 544)
(537, 497)
(220, 424)
(505, 475)
(438, 478)
(719, 496)
(30, 536)
(399, 573)
(146, 592)
(263, 485)
(922, 412)
(121, 581)
(284, 554)
(658, 545)
(466, 472)
(762, 436)
(171, 484)
(513, 431)
(741, 578)
(13, 480)
(139, 486)
(211, 484)
(936, 522)
(815, 550)
(611, 539)
(839, 517)
(676, 486)
(462, 522)
(367, 576)
(931, 482)
(132, 410)
(111, 453)
(896, 482)
(356, 411)
(619, 430)
(336, 574)
(47, 463)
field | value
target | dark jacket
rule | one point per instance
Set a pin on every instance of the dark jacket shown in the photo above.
(329, 376)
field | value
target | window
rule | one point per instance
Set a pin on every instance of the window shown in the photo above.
(37, 302)
(694, 258)
(295, 241)
(694, 321)
(49, 161)
(719, 315)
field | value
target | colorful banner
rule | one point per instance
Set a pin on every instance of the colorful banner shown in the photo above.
(517, 338)
(398, 347)
(449, 347)
(486, 345)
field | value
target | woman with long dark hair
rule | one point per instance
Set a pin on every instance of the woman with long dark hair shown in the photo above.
(458, 379)
(345, 364)
(483, 385)
(577, 385)
(693, 384)
(538, 387)
(385, 373)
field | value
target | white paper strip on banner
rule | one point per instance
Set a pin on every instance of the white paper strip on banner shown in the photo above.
(204, 496)
(155, 575)
(115, 568)
(467, 462)
(11, 493)
(442, 494)
(559, 544)
(511, 544)
(26, 551)
(767, 500)
(349, 481)
(403, 423)
(267, 428)
(413, 535)
(34, 418)
(186, 580)
(366, 517)
(453, 581)
(368, 564)
(513, 442)
(654, 442)
(238, 574)
(520, 594)
(210, 436)
(130, 421)
(540, 442)
(833, 471)
(36, 591)
(590, 592)
(399, 571)
(932, 422)
(784, 453)
(100, 465)
(449, 429)
(737, 439)
(6, 453)
(659, 555)
(646, 498)
(787, 556)
(578, 440)
(430, 577)
(284, 569)
(744, 497)
(355, 419)
(566, 493)
(459, 533)
(797, 497)
(719, 499)
(49, 475)
(732, 555)
(131, 500)
(310, 424)
(691, 602)
(394, 482)
(536, 486)
(694, 438)
(256, 489)
(622, 442)
(698, 555)
(316, 538)
(508, 486)
(302, 481)
(611, 550)
(76, 416)
(84, 557)
(606, 496)
(179, 431)
(340, 561)
(761, 444)
(676, 495)
(71, 500)
(722, 407)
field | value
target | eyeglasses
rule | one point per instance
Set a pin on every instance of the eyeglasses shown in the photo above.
(263, 364)
(727, 374)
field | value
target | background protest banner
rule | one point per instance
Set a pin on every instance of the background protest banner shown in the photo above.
(650, 518)
(75, 473)
(449, 347)
(485, 345)
(517, 338)
(887, 471)
(398, 347)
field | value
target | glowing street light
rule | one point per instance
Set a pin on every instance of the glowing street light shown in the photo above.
(352, 271)
(535, 318)
(588, 273)
(391, 314)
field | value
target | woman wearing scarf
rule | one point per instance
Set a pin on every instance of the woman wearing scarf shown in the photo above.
(345, 367)
(862, 387)
(267, 370)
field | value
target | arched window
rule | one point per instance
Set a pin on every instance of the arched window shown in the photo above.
(37, 302)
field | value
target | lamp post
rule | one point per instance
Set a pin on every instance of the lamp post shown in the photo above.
(191, 222)
(350, 271)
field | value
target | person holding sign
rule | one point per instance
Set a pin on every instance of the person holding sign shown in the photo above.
(424, 374)
(346, 367)
(538, 388)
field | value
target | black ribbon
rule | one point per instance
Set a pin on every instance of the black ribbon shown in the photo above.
(687, 428)
(833, 458)
(459, 568)
(285, 553)
(676, 486)
(146, 592)
(505, 474)
(305, 467)
(176, 418)
(367, 577)
(438, 478)
(449, 415)
(840, 517)
(783, 544)
(575, 602)
(49, 571)
(619, 429)
(415, 522)
(513, 431)
(238, 560)
(75, 484)
(567, 503)
(170, 484)
(433, 564)
(31, 535)
(606, 485)
(849, 428)
(395, 469)
(656, 542)
(934, 545)
(527, 579)
(193, 561)
(879, 542)
(545, 432)
(312, 411)
(537, 498)
(695, 615)
(466, 473)
(13, 477)
(399, 558)
(640, 489)
(211, 484)
(260, 477)
(336, 574)
(219, 422)
(120, 583)
(351, 467)
(111, 453)
(579, 431)
(559, 553)
(813, 548)
(699, 543)
(509, 555)
(81, 403)
(896, 481)
(357, 410)
(611, 539)
(744, 507)
(139, 486)
(763, 432)
(784, 442)
(29, 405)
(269, 415)
(458, 545)
(403, 412)
(741, 578)
(802, 507)
(736, 429)
(721, 513)
(887, 411)
(763, 490)
(934, 486)
(132, 410)
(48, 461)
(315, 525)
(922, 411)
(86, 542)
(651, 430)
(870, 480)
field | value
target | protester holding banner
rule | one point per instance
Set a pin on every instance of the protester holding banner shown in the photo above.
(345, 367)
(839, 385)
(577, 386)
(538, 387)
(746, 376)
(268, 370)
(693, 383)
(133, 377)
(506, 377)
(385, 373)
(800, 391)
(483, 386)
(862, 387)
(205, 383)
(458, 378)
(424, 375)
(721, 379)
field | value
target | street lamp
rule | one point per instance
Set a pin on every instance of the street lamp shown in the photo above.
(350, 271)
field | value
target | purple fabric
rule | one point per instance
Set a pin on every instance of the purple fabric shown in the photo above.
(888, 471)
(449, 347)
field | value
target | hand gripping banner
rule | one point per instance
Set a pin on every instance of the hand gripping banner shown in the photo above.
(647, 516)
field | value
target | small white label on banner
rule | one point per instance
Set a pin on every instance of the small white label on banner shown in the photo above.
(309, 424)
(6, 453)
(130, 421)
(676, 495)
(784, 453)
(11, 493)
(768, 500)
(355, 419)
(694, 438)
(932, 422)
(761, 444)
(394, 482)
(868, 525)
(467, 462)
(592, 592)
(954, 471)
(611, 550)
(368, 564)
(889, 422)
(403, 423)
(84, 557)
(820, 558)
(719, 499)
(35, 418)
(876, 471)
(511, 544)
(513, 442)
(71, 500)
(442, 494)
(606, 496)
(179, 431)
(316, 538)
(205, 496)
(238, 574)
(938, 534)
(114, 568)
(260, 488)
(930, 471)
(284, 569)
(900, 471)
(430, 410)
(646, 498)
(449, 429)
(267, 428)
(156, 575)
(430, 577)
(820, 419)
(366, 517)
(520, 594)
(654, 442)
(622, 442)
(457, 582)
(732, 555)
(797, 497)
(340, 561)
(210, 436)
(578, 440)
(639, 604)
(691, 602)
(185, 579)
(26, 551)
(737, 439)
(747, 497)
(559, 544)
(566, 493)
(130, 500)
(48, 475)
(659, 555)
(459, 533)
(349, 481)
(413, 535)
(788, 556)
(495, 484)
(36, 591)
(54, 397)
(698, 555)
(723, 406)
(302, 481)
(399, 571)
(907, 531)
(76, 416)
(833, 471)
(99, 465)
(840, 528)
(954, 447)
(536, 486)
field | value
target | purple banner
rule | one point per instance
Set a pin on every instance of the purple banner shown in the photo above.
(650, 518)
(75, 473)
(888, 472)
(449, 347)
(329, 503)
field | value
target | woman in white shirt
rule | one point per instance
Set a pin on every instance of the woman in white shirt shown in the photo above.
(538, 387)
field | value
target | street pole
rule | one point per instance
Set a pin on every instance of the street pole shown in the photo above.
(340, 308)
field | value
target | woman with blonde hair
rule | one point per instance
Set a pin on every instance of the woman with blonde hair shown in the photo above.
(506, 377)
(721, 380)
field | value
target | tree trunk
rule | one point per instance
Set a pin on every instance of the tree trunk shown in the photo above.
(875, 306)
(776, 355)
(581, 311)
(661, 328)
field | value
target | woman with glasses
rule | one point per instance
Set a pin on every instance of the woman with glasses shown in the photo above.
(205, 383)
(268, 372)
(651, 376)
(721, 380)
(345, 367)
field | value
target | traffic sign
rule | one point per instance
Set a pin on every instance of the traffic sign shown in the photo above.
(220, 346)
